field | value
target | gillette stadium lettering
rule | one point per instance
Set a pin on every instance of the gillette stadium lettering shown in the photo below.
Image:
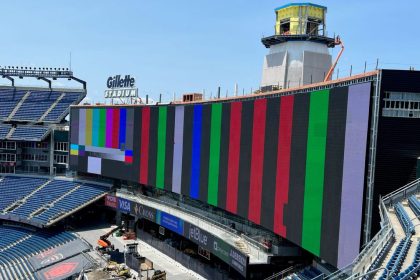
(118, 82)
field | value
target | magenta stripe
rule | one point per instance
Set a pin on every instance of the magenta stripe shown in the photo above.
(109, 124)
(353, 173)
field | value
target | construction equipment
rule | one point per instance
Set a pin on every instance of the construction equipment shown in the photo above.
(104, 243)
(337, 42)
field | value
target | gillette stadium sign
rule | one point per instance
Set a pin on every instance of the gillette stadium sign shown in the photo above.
(121, 87)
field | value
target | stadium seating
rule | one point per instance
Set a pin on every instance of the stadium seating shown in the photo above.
(404, 219)
(414, 205)
(308, 273)
(41, 201)
(75, 199)
(379, 258)
(46, 195)
(4, 130)
(36, 105)
(397, 258)
(15, 188)
(61, 107)
(9, 98)
(17, 245)
(29, 133)
(412, 272)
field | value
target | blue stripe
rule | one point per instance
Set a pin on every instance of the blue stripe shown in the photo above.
(123, 118)
(95, 128)
(196, 143)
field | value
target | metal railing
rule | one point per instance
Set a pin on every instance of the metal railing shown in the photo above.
(402, 193)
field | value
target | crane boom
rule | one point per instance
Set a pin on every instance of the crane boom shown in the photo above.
(331, 71)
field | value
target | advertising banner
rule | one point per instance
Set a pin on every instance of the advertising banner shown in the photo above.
(65, 269)
(141, 211)
(170, 222)
(124, 205)
(111, 201)
(218, 247)
(58, 254)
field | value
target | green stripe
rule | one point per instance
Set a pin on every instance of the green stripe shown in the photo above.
(216, 123)
(314, 177)
(160, 164)
(102, 127)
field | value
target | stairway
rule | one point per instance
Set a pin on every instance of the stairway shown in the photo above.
(19, 202)
(43, 208)
(18, 106)
(10, 133)
(51, 107)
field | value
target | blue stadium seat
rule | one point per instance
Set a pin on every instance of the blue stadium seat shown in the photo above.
(29, 133)
(9, 98)
(56, 114)
(19, 244)
(37, 103)
(4, 130)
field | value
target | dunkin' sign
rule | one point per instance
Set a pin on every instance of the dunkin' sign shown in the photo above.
(111, 201)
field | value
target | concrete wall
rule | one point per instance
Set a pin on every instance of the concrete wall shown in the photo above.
(299, 61)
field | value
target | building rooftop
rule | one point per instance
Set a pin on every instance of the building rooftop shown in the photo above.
(300, 4)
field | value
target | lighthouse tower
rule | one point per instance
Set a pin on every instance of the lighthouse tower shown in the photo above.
(299, 50)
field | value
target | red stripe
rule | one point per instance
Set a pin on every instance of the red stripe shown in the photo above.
(283, 163)
(144, 146)
(257, 160)
(115, 128)
(233, 160)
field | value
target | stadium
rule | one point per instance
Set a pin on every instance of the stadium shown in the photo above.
(308, 177)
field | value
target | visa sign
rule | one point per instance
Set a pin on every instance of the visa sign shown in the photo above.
(124, 205)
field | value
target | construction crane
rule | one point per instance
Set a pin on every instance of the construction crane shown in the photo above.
(337, 42)
(103, 241)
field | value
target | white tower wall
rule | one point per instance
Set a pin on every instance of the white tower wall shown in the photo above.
(295, 63)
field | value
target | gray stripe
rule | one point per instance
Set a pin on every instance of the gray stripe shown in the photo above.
(178, 142)
(82, 126)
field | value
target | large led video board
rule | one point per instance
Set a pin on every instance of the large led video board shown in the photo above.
(294, 164)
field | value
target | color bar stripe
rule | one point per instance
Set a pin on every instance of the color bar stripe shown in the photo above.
(82, 126)
(314, 175)
(196, 143)
(89, 128)
(95, 126)
(123, 119)
(257, 160)
(178, 142)
(144, 145)
(115, 128)
(353, 173)
(109, 127)
(233, 158)
(161, 148)
(102, 127)
(216, 124)
(283, 162)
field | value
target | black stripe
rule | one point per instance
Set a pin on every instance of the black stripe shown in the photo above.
(204, 152)
(224, 155)
(294, 209)
(270, 162)
(169, 154)
(187, 150)
(136, 143)
(333, 175)
(153, 133)
(245, 158)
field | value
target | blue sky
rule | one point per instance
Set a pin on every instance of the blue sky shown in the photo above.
(190, 45)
